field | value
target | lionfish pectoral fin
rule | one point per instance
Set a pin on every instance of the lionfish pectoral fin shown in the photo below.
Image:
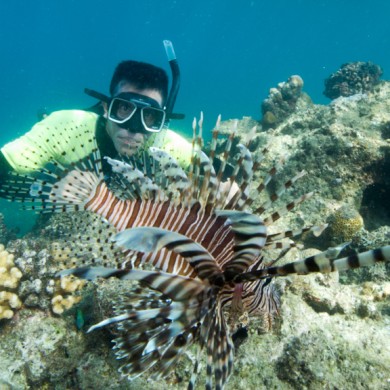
(144, 239)
(56, 187)
(151, 239)
(174, 286)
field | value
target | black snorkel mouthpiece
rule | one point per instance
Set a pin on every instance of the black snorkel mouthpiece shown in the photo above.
(170, 52)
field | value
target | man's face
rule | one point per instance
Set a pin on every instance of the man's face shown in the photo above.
(126, 141)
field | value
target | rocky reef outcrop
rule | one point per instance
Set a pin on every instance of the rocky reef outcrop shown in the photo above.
(332, 331)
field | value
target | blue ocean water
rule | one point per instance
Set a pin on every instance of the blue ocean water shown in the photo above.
(230, 52)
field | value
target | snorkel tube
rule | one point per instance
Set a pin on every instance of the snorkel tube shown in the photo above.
(170, 52)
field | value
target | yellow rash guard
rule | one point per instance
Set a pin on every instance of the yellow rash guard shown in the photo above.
(67, 136)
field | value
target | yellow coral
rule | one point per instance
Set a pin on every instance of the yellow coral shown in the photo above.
(63, 298)
(9, 280)
(61, 303)
(8, 302)
(345, 223)
(9, 274)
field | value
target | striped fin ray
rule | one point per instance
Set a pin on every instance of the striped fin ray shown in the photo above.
(173, 174)
(276, 195)
(272, 239)
(150, 239)
(215, 338)
(286, 208)
(265, 180)
(221, 196)
(323, 262)
(193, 169)
(196, 162)
(213, 145)
(250, 236)
(134, 183)
(244, 165)
(208, 191)
(176, 287)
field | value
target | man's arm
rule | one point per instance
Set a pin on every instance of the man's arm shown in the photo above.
(5, 167)
(65, 136)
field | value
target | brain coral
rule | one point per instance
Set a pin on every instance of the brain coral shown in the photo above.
(345, 223)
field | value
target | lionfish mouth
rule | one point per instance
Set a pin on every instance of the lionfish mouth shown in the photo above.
(200, 232)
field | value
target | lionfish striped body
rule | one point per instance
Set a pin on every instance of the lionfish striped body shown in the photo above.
(200, 235)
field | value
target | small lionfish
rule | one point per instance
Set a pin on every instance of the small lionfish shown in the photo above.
(207, 247)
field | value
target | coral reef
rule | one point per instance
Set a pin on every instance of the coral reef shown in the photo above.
(63, 294)
(344, 224)
(8, 303)
(10, 277)
(352, 78)
(282, 101)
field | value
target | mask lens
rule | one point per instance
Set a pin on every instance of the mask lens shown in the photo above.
(121, 110)
(153, 118)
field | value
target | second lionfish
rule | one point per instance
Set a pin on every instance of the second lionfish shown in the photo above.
(207, 247)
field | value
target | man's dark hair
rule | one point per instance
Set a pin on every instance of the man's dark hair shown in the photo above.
(142, 75)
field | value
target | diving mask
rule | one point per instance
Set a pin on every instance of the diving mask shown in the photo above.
(124, 106)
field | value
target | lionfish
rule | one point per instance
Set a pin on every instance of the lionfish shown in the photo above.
(206, 246)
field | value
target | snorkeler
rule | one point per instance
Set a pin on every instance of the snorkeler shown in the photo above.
(134, 117)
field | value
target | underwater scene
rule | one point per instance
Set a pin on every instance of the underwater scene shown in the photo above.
(213, 213)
